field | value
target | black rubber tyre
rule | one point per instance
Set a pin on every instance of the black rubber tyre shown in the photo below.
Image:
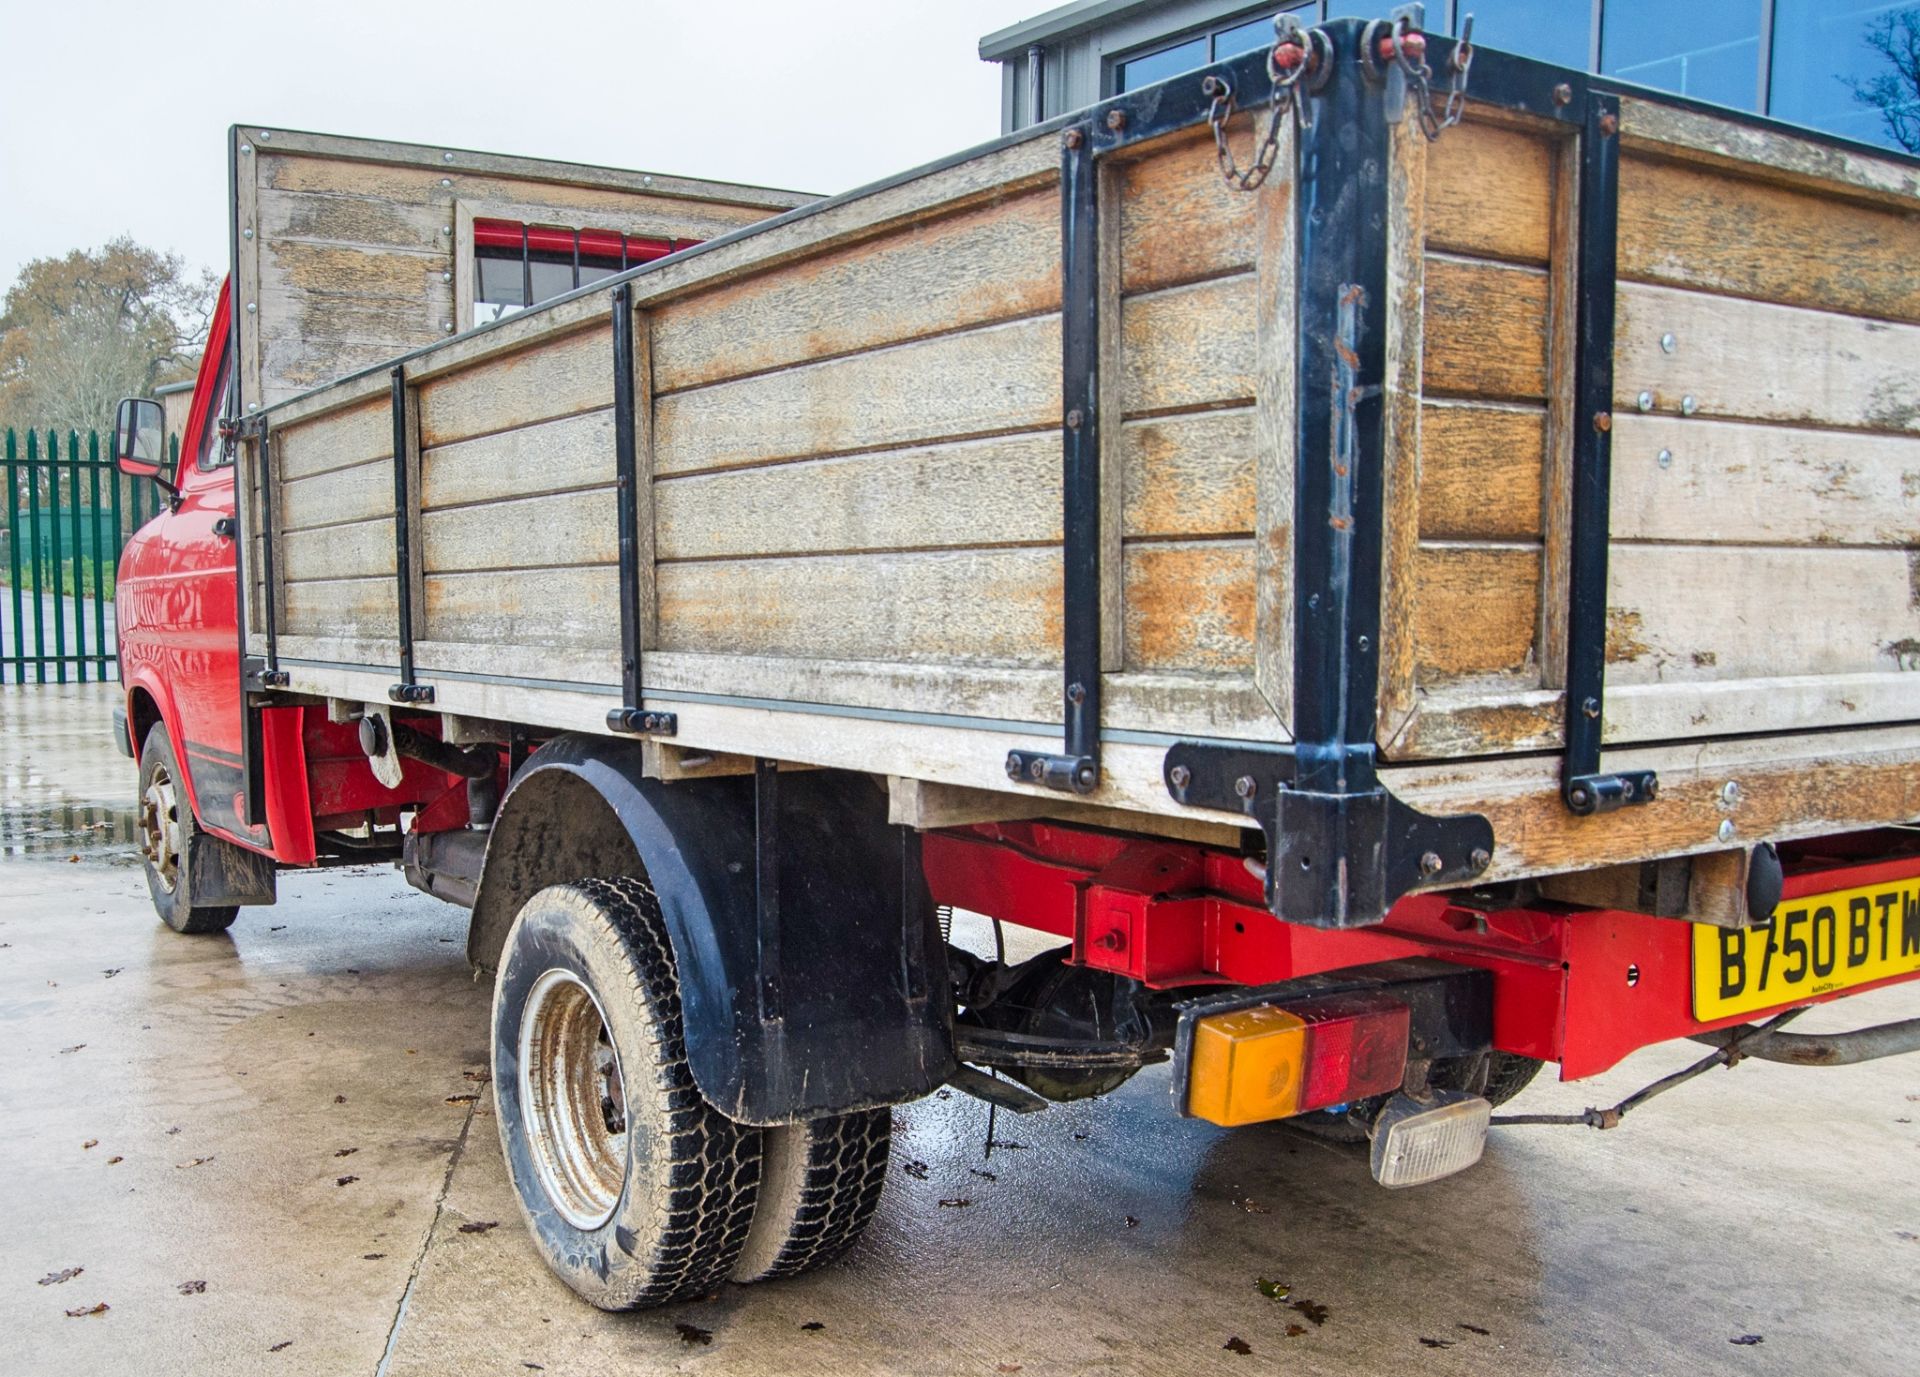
(820, 1184)
(167, 829)
(1509, 1074)
(636, 1191)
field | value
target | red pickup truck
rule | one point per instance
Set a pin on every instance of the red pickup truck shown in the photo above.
(433, 585)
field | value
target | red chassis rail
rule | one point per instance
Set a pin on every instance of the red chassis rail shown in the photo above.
(1581, 987)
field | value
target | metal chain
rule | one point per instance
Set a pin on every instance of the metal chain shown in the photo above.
(1294, 53)
(1407, 47)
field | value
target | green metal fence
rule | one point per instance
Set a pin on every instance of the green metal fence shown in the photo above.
(69, 512)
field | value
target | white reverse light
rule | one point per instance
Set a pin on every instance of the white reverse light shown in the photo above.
(1416, 1142)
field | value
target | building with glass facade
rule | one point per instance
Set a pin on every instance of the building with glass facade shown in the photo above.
(1848, 67)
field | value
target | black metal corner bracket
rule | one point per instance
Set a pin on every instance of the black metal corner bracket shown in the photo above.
(1077, 769)
(1340, 848)
(407, 690)
(1583, 786)
(629, 719)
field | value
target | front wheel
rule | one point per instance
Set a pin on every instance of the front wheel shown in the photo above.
(167, 829)
(635, 1190)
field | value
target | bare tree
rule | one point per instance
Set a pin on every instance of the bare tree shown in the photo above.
(78, 333)
(1895, 94)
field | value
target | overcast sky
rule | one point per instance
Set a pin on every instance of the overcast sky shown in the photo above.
(113, 112)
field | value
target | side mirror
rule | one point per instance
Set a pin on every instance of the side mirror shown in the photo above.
(140, 437)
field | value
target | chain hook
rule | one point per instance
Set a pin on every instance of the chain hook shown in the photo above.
(1296, 54)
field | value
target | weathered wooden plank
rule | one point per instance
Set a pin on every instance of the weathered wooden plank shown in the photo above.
(1754, 360)
(350, 271)
(1190, 605)
(361, 549)
(998, 491)
(1275, 336)
(573, 608)
(557, 530)
(1723, 481)
(1399, 479)
(1486, 329)
(963, 607)
(350, 175)
(994, 262)
(362, 608)
(336, 441)
(347, 219)
(1680, 612)
(1477, 609)
(1691, 226)
(1179, 221)
(559, 378)
(995, 379)
(1489, 191)
(1189, 475)
(1189, 346)
(359, 493)
(1771, 153)
(1480, 471)
(548, 456)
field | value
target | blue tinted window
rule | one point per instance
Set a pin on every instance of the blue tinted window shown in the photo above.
(1181, 57)
(1556, 31)
(1243, 38)
(1708, 51)
(1834, 68)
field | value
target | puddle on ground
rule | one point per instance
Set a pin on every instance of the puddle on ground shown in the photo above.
(93, 831)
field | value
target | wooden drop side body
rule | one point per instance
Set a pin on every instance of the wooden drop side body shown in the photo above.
(849, 502)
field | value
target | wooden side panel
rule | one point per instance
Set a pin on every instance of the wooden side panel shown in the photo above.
(560, 377)
(333, 512)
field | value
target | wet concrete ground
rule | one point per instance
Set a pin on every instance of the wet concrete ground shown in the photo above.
(282, 1114)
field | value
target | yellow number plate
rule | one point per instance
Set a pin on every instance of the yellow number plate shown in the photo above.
(1815, 945)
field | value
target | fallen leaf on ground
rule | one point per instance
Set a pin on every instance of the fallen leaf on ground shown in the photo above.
(812, 1325)
(1079, 1137)
(1745, 1340)
(90, 1143)
(694, 1334)
(64, 1274)
(1473, 1328)
(1009, 1367)
(535, 1366)
(1273, 1290)
(1313, 1310)
(1238, 1345)
(1254, 1207)
(943, 1094)
(196, 1162)
(192, 1288)
(1425, 1342)
(75, 1048)
(1008, 1144)
(479, 1226)
(81, 1310)
(113, 1160)
(1294, 1331)
(461, 1099)
(983, 1175)
(1132, 1222)
(372, 1257)
(345, 1152)
(958, 1202)
(175, 1129)
(917, 1170)
(112, 971)
(339, 1099)
(75, 860)
(284, 1343)
(477, 1077)
(344, 1180)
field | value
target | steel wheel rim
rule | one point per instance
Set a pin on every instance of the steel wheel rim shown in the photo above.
(160, 828)
(573, 1100)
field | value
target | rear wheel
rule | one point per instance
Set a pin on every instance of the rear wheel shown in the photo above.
(167, 828)
(635, 1190)
(820, 1184)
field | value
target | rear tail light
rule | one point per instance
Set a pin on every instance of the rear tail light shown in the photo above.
(1273, 1061)
(1416, 1142)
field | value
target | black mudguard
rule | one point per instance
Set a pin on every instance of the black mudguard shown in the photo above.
(832, 997)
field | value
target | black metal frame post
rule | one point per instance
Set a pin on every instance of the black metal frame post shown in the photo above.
(1340, 848)
(1077, 769)
(1583, 786)
(407, 690)
(629, 718)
